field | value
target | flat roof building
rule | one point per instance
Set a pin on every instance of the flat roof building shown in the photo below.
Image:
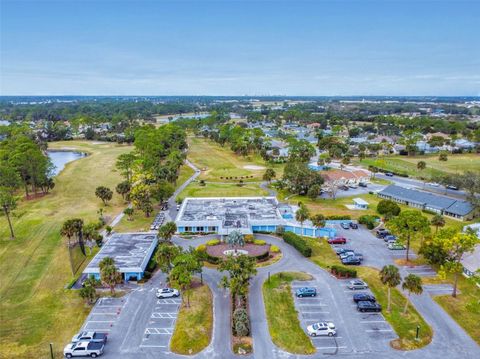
(245, 214)
(130, 251)
(446, 206)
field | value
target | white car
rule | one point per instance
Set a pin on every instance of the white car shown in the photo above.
(434, 184)
(167, 293)
(321, 329)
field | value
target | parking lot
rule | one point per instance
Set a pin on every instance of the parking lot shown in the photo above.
(356, 331)
(161, 324)
(104, 315)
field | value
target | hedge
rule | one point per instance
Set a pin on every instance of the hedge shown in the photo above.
(274, 249)
(298, 243)
(259, 242)
(343, 271)
(213, 242)
(338, 217)
(368, 220)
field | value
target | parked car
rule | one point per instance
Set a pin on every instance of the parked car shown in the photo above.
(353, 185)
(368, 306)
(395, 246)
(382, 232)
(342, 250)
(352, 260)
(90, 337)
(359, 256)
(83, 349)
(346, 254)
(353, 225)
(452, 187)
(389, 238)
(306, 292)
(433, 184)
(321, 329)
(167, 293)
(389, 174)
(363, 184)
(337, 240)
(357, 297)
(178, 207)
(343, 188)
(345, 225)
(357, 284)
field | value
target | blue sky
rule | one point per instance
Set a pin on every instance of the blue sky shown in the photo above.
(240, 47)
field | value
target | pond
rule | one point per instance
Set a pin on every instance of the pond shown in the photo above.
(61, 158)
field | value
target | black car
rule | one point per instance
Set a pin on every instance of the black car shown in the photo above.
(450, 186)
(353, 225)
(389, 174)
(343, 188)
(367, 306)
(362, 184)
(352, 260)
(365, 297)
(381, 233)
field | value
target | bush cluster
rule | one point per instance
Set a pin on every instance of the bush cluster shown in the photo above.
(298, 243)
(249, 238)
(274, 249)
(213, 242)
(368, 221)
(337, 217)
(259, 242)
(343, 271)
(241, 322)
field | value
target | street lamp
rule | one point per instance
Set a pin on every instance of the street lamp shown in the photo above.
(418, 330)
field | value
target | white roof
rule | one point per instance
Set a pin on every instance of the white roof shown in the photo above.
(471, 261)
(360, 201)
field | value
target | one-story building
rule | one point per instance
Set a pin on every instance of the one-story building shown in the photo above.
(345, 178)
(450, 207)
(245, 214)
(130, 251)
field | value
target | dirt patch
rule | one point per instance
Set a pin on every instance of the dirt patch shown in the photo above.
(254, 167)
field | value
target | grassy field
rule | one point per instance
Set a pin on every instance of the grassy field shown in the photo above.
(404, 164)
(221, 190)
(193, 328)
(35, 307)
(216, 161)
(465, 308)
(404, 325)
(285, 328)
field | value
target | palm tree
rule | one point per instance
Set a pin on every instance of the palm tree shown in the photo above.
(109, 274)
(421, 165)
(437, 221)
(302, 215)
(318, 220)
(167, 231)
(390, 276)
(68, 230)
(412, 284)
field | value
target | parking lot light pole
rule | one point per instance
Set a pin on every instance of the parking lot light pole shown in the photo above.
(418, 330)
(268, 277)
(51, 351)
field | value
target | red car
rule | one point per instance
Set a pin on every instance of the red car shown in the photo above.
(337, 240)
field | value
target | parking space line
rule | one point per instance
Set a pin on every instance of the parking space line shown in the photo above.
(100, 321)
(159, 331)
(152, 346)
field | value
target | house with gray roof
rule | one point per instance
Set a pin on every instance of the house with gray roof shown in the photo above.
(450, 207)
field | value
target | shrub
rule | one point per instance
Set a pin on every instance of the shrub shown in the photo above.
(259, 242)
(338, 217)
(213, 242)
(274, 249)
(249, 238)
(388, 208)
(263, 257)
(202, 248)
(298, 243)
(368, 220)
(241, 322)
(342, 271)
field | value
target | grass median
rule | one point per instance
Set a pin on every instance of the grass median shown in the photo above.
(404, 325)
(282, 316)
(193, 328)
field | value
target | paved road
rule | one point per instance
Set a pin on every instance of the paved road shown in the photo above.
(172, 205)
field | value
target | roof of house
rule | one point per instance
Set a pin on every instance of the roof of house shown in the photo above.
(428, 199)
(471, 261)
(339, 174)
(360, 201)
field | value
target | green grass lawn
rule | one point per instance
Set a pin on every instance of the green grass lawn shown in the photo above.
(282, 316)
(221, 190)
(35, 307)
(216, 161)
(465, 308)
(404, 164)
(193, 328)
(404, 325)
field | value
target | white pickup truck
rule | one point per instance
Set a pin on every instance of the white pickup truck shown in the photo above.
(87, 336)
(83, 349)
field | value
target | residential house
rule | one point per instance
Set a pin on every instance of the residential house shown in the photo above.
(344, 177)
